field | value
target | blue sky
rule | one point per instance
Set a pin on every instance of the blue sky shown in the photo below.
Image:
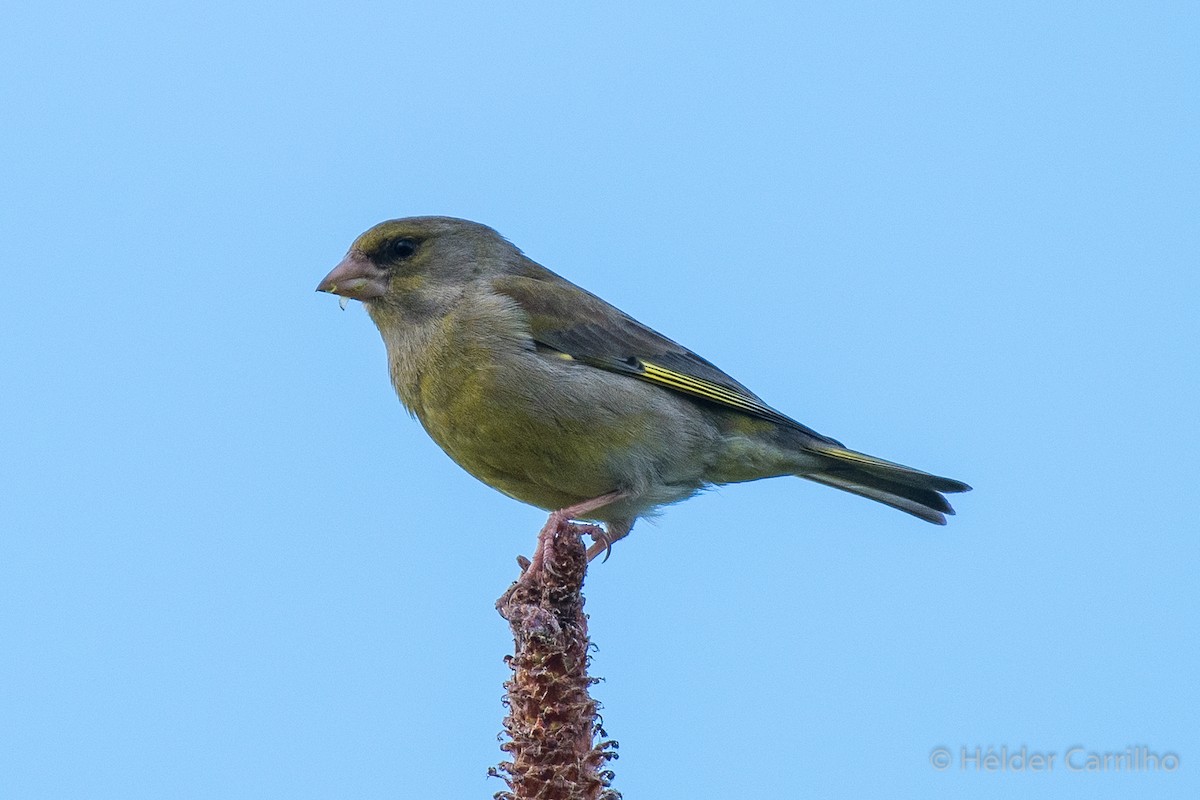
(959, 236)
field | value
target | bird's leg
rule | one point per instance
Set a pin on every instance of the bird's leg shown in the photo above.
(604, 539)
(545, 545)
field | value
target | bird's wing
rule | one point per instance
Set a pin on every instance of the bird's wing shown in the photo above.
(581, 326)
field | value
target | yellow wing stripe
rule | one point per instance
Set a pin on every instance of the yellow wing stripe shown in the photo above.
(706, 389)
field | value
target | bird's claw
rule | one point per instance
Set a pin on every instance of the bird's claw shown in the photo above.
(600, 537)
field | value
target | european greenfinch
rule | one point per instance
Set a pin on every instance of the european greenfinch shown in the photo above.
(549, 394)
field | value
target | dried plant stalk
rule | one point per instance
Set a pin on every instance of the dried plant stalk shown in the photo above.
(555, 739)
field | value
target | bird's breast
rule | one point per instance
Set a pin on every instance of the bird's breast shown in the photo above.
(545, 430)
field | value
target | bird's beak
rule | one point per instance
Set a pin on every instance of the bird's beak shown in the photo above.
(356, 277)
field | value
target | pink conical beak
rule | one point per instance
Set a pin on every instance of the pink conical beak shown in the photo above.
(355, 277)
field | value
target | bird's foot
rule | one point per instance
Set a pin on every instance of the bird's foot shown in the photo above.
(544, 553)
(602, 540)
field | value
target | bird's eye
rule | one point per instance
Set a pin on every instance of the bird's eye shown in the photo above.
(402, 248)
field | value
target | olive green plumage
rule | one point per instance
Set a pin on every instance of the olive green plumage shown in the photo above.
(551, 395)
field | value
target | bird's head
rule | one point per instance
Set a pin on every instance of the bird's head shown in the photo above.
(418, 264)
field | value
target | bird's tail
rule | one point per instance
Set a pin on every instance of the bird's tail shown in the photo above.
(910, 490)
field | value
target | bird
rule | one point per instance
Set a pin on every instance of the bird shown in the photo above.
(558, 399)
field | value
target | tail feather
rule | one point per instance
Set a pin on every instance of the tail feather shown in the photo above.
(904, 488)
